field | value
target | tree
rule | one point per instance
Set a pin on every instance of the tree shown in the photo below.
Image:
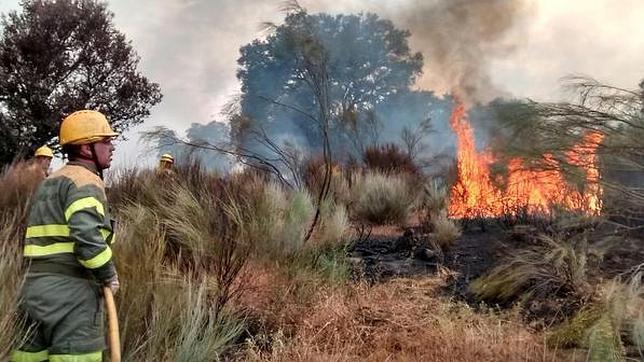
(60, 56)
(365, 59)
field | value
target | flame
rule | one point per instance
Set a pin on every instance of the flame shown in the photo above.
(476, 194)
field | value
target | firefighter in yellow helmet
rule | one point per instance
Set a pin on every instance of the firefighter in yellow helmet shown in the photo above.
(166, 162)
(67, 248)
(42, 158)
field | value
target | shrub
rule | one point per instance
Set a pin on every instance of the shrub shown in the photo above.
(313, 176)
(389, 159)
(383, 199)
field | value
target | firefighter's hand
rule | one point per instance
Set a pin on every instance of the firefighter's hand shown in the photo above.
(113, 284)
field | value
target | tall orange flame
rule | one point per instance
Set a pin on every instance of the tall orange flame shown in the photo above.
(476, 194)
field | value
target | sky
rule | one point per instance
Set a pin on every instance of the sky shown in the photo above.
(515, 48)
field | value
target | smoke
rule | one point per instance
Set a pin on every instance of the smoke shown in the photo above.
(213, 133)
(459, 38)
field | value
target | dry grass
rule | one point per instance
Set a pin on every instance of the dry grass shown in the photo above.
(334, 224)
(446, 231)
(382, 199)
(11, 279)
(434, 217)
(556, 267)
(404, 319)
(608, 324)
(191, 283)
(17, 182)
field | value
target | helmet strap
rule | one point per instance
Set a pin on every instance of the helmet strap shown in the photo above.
(95, 159)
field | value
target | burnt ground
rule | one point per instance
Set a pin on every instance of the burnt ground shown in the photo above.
(406, 253)
(382, 257)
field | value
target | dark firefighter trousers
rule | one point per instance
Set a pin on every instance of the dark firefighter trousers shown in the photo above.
(65, 319)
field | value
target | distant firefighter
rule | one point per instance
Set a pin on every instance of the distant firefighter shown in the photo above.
(166, 162)
(42, 158)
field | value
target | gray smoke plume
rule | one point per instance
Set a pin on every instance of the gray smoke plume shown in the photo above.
(459, 38)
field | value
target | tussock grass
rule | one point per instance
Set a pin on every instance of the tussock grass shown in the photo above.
(334, 224)
(179, 255)
(608, 323)
(555, 267)
(383, 199)
(205, 259)
(17, 183)
(11, 279)
(446, 231)
(434, 216)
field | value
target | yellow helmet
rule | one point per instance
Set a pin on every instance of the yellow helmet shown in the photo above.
(44, 151)
(84, 127)
(166, 157)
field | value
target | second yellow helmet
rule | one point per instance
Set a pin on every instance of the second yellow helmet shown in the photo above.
(44, 151)
(166, 157)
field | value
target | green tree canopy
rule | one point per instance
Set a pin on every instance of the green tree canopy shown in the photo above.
(60, 56)
(367, 62)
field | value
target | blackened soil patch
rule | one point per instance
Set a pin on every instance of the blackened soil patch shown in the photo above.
(380, 258)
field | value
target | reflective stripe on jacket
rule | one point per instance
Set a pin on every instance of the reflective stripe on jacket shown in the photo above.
(69, 224)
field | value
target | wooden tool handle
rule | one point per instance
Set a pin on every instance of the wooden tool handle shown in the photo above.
(113, 326)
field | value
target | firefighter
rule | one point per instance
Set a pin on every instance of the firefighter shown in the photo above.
(42, 158)
(166, 162)
(67, 248)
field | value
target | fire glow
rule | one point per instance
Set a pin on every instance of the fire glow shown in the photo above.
(474, 194)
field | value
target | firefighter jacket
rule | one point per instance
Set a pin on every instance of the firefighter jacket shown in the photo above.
(69, 229)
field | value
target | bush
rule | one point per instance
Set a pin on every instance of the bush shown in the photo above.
(382, 199)
(313, 176)
(389, 159)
